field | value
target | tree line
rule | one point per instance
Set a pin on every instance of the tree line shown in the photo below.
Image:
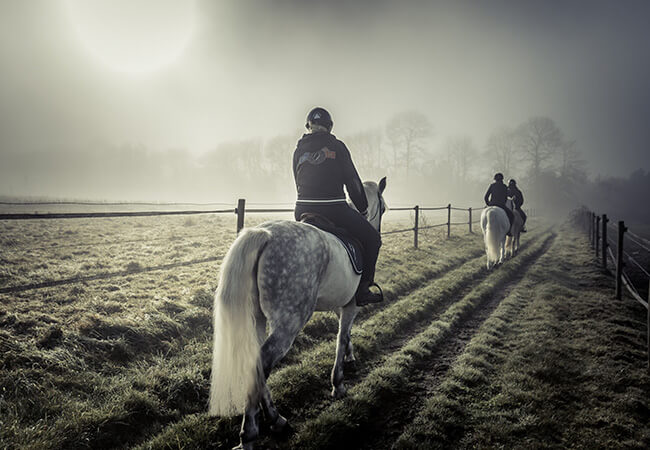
(423, 167)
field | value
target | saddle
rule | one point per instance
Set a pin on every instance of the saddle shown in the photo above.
(351, 244)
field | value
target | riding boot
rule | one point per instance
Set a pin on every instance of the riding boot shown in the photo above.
(365, 296)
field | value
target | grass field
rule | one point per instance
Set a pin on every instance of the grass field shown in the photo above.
(537, 353)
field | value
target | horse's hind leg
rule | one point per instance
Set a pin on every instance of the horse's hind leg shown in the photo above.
(250, 429)
(349, 353)
(348, 313)
(276, 346)
(277, 422)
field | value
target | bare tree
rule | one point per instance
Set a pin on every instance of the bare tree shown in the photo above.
(461, 153)
(540, 140)
(278, 152)
(406, 133)
(366, 149)
(502, 149)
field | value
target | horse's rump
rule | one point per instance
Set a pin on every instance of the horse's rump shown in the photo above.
(352, 245)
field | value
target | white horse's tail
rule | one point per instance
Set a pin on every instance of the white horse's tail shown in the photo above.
(236, 366)
(493, 232)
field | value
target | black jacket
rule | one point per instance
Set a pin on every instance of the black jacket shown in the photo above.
(513, 191)
(496, 194)
(322, 166)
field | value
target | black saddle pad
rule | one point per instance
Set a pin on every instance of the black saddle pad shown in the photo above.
(349, 242)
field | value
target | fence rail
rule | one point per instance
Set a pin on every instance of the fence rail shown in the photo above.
(607, 249)
(240, 211)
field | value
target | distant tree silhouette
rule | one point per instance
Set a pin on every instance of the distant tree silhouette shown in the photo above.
(407, 132)
(461, 154)
(540, 140)
(502, 150)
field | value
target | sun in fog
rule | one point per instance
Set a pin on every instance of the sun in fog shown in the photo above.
(133, 36)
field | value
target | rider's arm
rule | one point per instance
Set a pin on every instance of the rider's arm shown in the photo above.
(487, 196)
(295, 165)
(521, 198)
(352, 181)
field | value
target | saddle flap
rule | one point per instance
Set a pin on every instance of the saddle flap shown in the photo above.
(350, 243)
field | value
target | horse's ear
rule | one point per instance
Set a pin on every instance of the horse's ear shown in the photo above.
(382, 185)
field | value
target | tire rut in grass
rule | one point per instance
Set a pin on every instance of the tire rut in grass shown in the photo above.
(351, 420)
(428, 373)
(327, 327)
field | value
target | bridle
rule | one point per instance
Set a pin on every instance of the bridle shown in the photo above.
(379, 211)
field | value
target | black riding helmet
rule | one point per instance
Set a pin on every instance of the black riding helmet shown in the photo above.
(498, 177)
(319, 116)
(512, 182)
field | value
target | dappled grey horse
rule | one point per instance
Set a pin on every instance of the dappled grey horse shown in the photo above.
(279, 272)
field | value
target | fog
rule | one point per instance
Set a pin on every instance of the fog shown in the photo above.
(203, 101)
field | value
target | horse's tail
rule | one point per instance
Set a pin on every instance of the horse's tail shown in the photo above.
(236, 367)
(491, 227)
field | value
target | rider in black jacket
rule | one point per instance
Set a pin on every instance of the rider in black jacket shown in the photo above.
(321, 167)
(497, 194)
(513, 191)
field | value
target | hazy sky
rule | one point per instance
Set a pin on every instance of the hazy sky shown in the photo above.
(190, 75)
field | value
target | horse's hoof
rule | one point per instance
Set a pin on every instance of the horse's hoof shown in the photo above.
(279, 426)
(351, 365)
(339, 392)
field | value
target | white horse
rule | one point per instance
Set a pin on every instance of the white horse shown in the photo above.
(495, 226)
(279, 272)
(512, 240)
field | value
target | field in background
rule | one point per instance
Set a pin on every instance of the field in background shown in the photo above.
(536, 353)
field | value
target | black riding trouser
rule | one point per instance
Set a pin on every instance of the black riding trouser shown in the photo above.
(345, 217)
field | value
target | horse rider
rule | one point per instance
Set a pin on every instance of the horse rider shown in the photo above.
(497, 194)
(515, 192)
(322, 165)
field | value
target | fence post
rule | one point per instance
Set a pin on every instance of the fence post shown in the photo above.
(605, 244)
(619, 259)
(470, 219)
(241, 209)
(448, 220)
(591, 231)
(416, 227)
(648, 325)
(597, 233)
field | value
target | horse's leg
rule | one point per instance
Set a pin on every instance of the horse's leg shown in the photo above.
(277, 422)
(349, 353)
(250, 429)
(276, 346)
(348, 313)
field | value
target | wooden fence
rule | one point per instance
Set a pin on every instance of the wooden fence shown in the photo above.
(599, 229)
(240, 211)
(417, 209)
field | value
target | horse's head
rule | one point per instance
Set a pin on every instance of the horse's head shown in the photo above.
(510, 203)
(376, 203)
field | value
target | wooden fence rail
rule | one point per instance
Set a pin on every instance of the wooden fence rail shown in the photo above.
(597, 228)
(241, 211)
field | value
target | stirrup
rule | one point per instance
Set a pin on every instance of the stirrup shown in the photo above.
(380, 290)
(363, 302)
